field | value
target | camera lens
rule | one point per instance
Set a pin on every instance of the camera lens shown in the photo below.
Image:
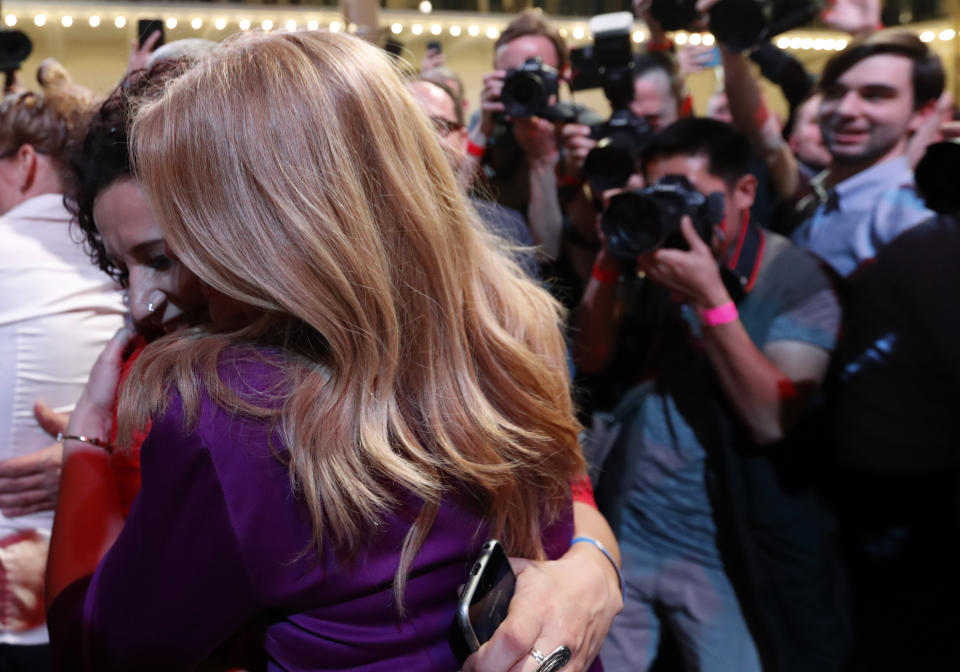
(739, 23)
(526, 89)
(524, 94)
(608, 166)
(633, 225)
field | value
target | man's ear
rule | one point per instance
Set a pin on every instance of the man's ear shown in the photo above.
(745, 192)
(921, 115)
(26, 158)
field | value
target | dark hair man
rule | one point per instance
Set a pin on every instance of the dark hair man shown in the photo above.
(876, 94)
(722, 371)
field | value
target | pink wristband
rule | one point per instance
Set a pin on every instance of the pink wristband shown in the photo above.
(714, 317)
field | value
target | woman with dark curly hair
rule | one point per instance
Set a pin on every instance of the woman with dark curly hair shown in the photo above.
(121, 234)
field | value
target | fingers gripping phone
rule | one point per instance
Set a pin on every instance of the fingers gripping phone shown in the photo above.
(484, 602)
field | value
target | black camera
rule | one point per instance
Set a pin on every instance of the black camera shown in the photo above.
(740, 24)
(527, 90)
(608, 62)
(15, 48)
(674, 14)
(620, 141)
(936, 179)
(638, 222)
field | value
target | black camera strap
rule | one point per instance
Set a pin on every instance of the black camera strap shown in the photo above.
(742, 267)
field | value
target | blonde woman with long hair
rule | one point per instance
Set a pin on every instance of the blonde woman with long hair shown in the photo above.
(379, 390)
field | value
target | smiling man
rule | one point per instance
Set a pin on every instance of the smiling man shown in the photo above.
(876, 94)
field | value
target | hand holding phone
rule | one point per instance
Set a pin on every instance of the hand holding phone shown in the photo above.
(432, 57)
(484, 602)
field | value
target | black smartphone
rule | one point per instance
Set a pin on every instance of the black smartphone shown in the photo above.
(484, 602)
(435, 45)
(146, 28)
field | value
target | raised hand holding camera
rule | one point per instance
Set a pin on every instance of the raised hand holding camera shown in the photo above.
(693, 273)
(490, 105)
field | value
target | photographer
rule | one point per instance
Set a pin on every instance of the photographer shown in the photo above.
(652, 100)
(520, 154)
(658, 92)
(719, 542)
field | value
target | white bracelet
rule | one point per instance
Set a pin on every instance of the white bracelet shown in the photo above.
(603, 549)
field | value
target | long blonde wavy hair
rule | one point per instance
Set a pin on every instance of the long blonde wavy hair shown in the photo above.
(293, 173)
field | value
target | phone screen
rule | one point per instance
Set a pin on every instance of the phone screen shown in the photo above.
(484, 601)
(146, 27)
(491, 600)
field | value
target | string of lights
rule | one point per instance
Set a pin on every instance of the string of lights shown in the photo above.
(415, 23)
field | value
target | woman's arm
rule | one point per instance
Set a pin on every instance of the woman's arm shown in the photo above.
(571, 600)
(89, 513)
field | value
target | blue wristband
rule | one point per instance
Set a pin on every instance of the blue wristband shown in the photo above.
(602, 549)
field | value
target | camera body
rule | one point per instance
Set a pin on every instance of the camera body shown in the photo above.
(641, 221)
(740, 24)
(527, 90)
(620, 141)
(15, 48)
(608, 62)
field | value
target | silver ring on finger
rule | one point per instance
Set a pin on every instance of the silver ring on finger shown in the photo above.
(555, 661)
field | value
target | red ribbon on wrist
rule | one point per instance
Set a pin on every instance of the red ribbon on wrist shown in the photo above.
(605, 276)
(474, 149)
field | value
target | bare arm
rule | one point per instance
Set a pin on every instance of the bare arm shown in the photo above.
(537, 137)
(543, 211)
(596, 317)
(478, 135)
(89, 513)
(753, 118)
(768, 389)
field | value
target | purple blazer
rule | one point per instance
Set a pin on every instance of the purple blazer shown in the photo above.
(216, 539)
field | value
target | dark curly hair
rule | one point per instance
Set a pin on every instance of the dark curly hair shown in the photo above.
(101, 157)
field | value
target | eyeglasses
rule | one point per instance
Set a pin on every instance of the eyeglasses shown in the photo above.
(444, 126)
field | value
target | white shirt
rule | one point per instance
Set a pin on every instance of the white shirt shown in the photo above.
(57, 312)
